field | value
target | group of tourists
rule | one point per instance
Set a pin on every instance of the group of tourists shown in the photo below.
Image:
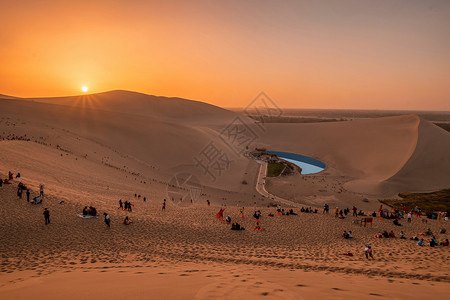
(91, 211)
(125, 205)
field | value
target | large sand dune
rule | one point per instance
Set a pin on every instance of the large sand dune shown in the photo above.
(374, 156)
(158, 137)
(97, 149)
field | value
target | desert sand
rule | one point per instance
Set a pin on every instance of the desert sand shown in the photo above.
(97, 149)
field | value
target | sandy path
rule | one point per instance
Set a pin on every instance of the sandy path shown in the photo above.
(261, 189)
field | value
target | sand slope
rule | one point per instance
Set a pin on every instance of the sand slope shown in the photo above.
(368, 152)
(161, 137)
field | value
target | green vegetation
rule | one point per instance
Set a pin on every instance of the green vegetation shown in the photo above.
(282, 119)
(427, 202)
(274, 169)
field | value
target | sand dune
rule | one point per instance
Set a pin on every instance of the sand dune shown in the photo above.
(428, 167)
(366, 153)
(166, 108)
(161, 137)
(95, 150)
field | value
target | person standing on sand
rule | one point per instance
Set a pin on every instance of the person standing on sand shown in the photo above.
(41, 190)
(409, 217)
(46, 216)
(121, 204)
(107, 219)
(164, 205)
(336, 212)
(19, 192)
(28, 195)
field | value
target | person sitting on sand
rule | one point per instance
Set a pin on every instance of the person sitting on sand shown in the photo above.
(291, 212)
(396, 223)
(402, 235)
(414, 238)
(445, 243)
(368, 251)
(391, 234)
(361, 213)
(236, 226)
(92, 211)
(228, 219)
(345, 234)
(350, 234)
(433, 242)
(257, 227)
(420, 243)
(302, 209)
(385, 234)
(85, 211)
(126, 221)
(374, 214)
(429, 232)
(36, 200)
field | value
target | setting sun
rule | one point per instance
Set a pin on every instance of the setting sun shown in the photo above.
(84, 89)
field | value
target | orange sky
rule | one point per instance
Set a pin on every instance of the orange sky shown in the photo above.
(380, 54)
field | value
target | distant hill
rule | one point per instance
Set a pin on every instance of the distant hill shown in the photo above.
(8, 97)
(144, 105)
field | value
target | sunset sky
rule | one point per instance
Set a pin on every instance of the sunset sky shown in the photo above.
(383, 54)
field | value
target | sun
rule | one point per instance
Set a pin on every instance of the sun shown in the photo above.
(84, 88)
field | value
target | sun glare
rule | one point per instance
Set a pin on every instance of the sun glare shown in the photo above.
(84, 89)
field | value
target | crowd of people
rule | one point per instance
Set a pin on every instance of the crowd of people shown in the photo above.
(395, 215)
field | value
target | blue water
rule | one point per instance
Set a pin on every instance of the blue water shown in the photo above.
(308, 164)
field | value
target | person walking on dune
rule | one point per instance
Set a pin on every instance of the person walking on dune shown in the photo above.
(46, 216)
(368, 251)
(107, 219)
(28, 195)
